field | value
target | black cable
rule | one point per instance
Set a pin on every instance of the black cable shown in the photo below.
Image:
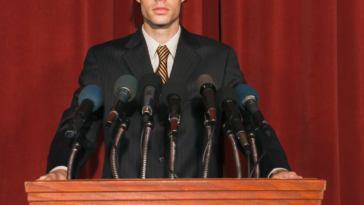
(207, 145)
(261, 157)
(172, 172)
(112, 141)
(116, 149)
(256, 163)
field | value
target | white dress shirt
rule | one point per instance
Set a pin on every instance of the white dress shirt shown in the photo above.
(153, 46)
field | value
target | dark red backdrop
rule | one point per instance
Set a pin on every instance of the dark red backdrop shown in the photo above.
(304, 57)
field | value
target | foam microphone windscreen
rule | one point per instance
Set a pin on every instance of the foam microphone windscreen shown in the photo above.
(129, 82)
(204, 79)
(225, 93)
(245, 90)
(151, 79)
(93, 93)
(174, 87)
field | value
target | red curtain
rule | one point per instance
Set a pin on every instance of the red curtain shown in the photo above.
(304, 57)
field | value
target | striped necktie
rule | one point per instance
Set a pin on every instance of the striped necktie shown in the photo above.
(163, 53)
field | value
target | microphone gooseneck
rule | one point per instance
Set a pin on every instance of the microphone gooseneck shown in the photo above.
(207, 153)
(75, 148)
(123, 127)
(147, 129)
(207, 88)
(150, 85)
(89, 100)
(172, 156)
(229, 133)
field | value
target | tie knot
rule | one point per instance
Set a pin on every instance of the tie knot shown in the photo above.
(162, 51)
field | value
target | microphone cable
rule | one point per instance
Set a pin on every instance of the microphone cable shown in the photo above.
(256, 163)
(172, 172)
(261, 157)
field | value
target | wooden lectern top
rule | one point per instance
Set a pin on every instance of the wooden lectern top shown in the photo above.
(176, 191)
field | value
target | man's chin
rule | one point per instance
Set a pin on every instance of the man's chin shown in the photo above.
(160, 24)
(161, 21)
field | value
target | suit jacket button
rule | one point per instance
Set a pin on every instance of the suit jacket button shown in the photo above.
(163, 122)
(161, 159)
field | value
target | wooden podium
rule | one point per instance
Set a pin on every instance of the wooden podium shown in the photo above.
(176, 191)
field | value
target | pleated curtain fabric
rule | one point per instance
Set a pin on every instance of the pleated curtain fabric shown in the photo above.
(306, 55)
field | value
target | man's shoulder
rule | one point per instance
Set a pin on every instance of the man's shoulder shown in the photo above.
(116, 44)
(210, 44)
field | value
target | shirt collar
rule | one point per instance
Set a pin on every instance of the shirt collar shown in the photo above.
(153, 44)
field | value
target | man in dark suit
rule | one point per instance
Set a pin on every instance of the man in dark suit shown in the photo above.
(186, 56)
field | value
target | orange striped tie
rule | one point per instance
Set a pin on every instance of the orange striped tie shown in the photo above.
(163, 53)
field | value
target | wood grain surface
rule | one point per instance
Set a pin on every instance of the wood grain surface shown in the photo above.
(176, 191)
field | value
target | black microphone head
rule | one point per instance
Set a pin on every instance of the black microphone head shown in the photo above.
(205, 81)
(175, 87)
(151, 79)
(225, 93)
(129, 82)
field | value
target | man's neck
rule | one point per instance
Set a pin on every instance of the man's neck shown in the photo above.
(161, 34)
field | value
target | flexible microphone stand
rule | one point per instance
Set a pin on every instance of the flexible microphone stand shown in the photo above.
(250, 128)
(229, 133)
(251, 136)
(124, 124)
(148, 128)
(173, 136)
(207, 154)
(76, 146)
(172, 156)
(255, 153)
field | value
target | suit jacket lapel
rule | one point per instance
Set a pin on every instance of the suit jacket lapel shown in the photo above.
(138, 61)
(137, 58)
(186, 58)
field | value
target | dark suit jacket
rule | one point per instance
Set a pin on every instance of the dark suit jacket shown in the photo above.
(196, 55)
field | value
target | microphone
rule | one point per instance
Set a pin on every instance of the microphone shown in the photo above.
(226, 98)
(207, 89)
(90, 99)
(151, 85)
(248, 100)
(125, 90)
(249, 128)
(174, 94)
